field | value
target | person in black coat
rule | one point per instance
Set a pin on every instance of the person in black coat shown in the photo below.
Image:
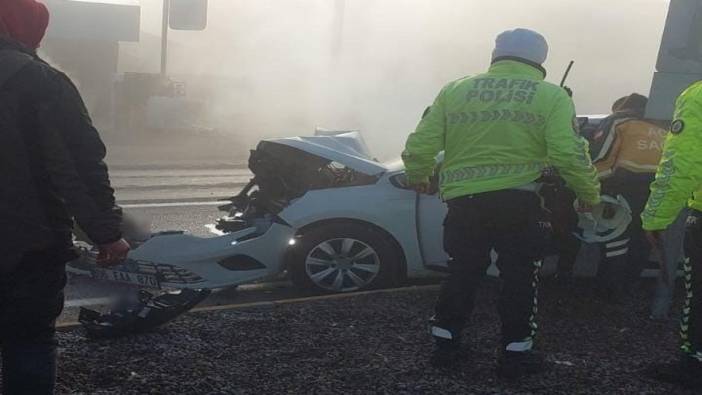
(51, 173)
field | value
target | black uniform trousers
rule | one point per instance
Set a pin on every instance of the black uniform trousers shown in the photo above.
(31, 298)
(514, 225)
(624, 258)
(691, 325)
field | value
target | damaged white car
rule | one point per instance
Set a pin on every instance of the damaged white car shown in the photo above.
(320, 208)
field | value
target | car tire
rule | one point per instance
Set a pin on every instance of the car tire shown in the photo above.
(344, 257)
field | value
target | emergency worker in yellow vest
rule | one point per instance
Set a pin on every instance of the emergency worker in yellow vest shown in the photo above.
(627, 150)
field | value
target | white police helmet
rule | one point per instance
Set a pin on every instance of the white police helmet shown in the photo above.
(608, 220)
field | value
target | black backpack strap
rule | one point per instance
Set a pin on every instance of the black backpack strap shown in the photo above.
(11, 62)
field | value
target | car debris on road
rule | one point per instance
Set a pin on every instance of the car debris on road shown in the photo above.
(146, 313)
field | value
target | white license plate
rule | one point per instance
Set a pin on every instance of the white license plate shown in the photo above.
(144, 280)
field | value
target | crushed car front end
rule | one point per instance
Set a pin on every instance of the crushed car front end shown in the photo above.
(251, 241)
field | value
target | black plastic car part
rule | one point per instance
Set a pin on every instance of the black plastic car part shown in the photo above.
(241, 263)
(147, 313)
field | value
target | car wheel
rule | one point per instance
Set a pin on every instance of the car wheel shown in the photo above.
(344, 258)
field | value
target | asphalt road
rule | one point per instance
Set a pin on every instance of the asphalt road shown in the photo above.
(161, 183)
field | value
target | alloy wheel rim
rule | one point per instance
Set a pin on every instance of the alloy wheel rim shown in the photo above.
(342, 265)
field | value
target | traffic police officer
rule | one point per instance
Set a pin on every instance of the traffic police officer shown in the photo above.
(679, 177)
(498, 131)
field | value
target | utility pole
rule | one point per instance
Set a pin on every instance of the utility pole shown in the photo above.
(164, 38)
(339, 19)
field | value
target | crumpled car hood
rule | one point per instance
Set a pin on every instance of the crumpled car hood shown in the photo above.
(349, 149)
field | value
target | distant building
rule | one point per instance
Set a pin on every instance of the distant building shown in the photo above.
(83, 40)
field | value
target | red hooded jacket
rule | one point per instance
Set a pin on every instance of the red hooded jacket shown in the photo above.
(24, 20)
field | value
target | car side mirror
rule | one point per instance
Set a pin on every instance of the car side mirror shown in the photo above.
(188, 14)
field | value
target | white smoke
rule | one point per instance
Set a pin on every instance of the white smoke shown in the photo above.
(282, 67)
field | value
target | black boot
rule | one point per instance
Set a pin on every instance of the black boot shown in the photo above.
(29, 369)
(564, 280)
(447, 344)
(686, 373)
(446, 353)
(513, 365)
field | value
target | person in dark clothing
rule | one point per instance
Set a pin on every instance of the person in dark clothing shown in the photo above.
(52, 172)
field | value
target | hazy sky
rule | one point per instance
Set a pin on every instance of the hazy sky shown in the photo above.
(394, 55)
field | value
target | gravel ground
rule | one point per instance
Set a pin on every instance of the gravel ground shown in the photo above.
(372, 344)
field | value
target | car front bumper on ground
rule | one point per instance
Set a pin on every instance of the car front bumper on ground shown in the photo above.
(185, 261)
